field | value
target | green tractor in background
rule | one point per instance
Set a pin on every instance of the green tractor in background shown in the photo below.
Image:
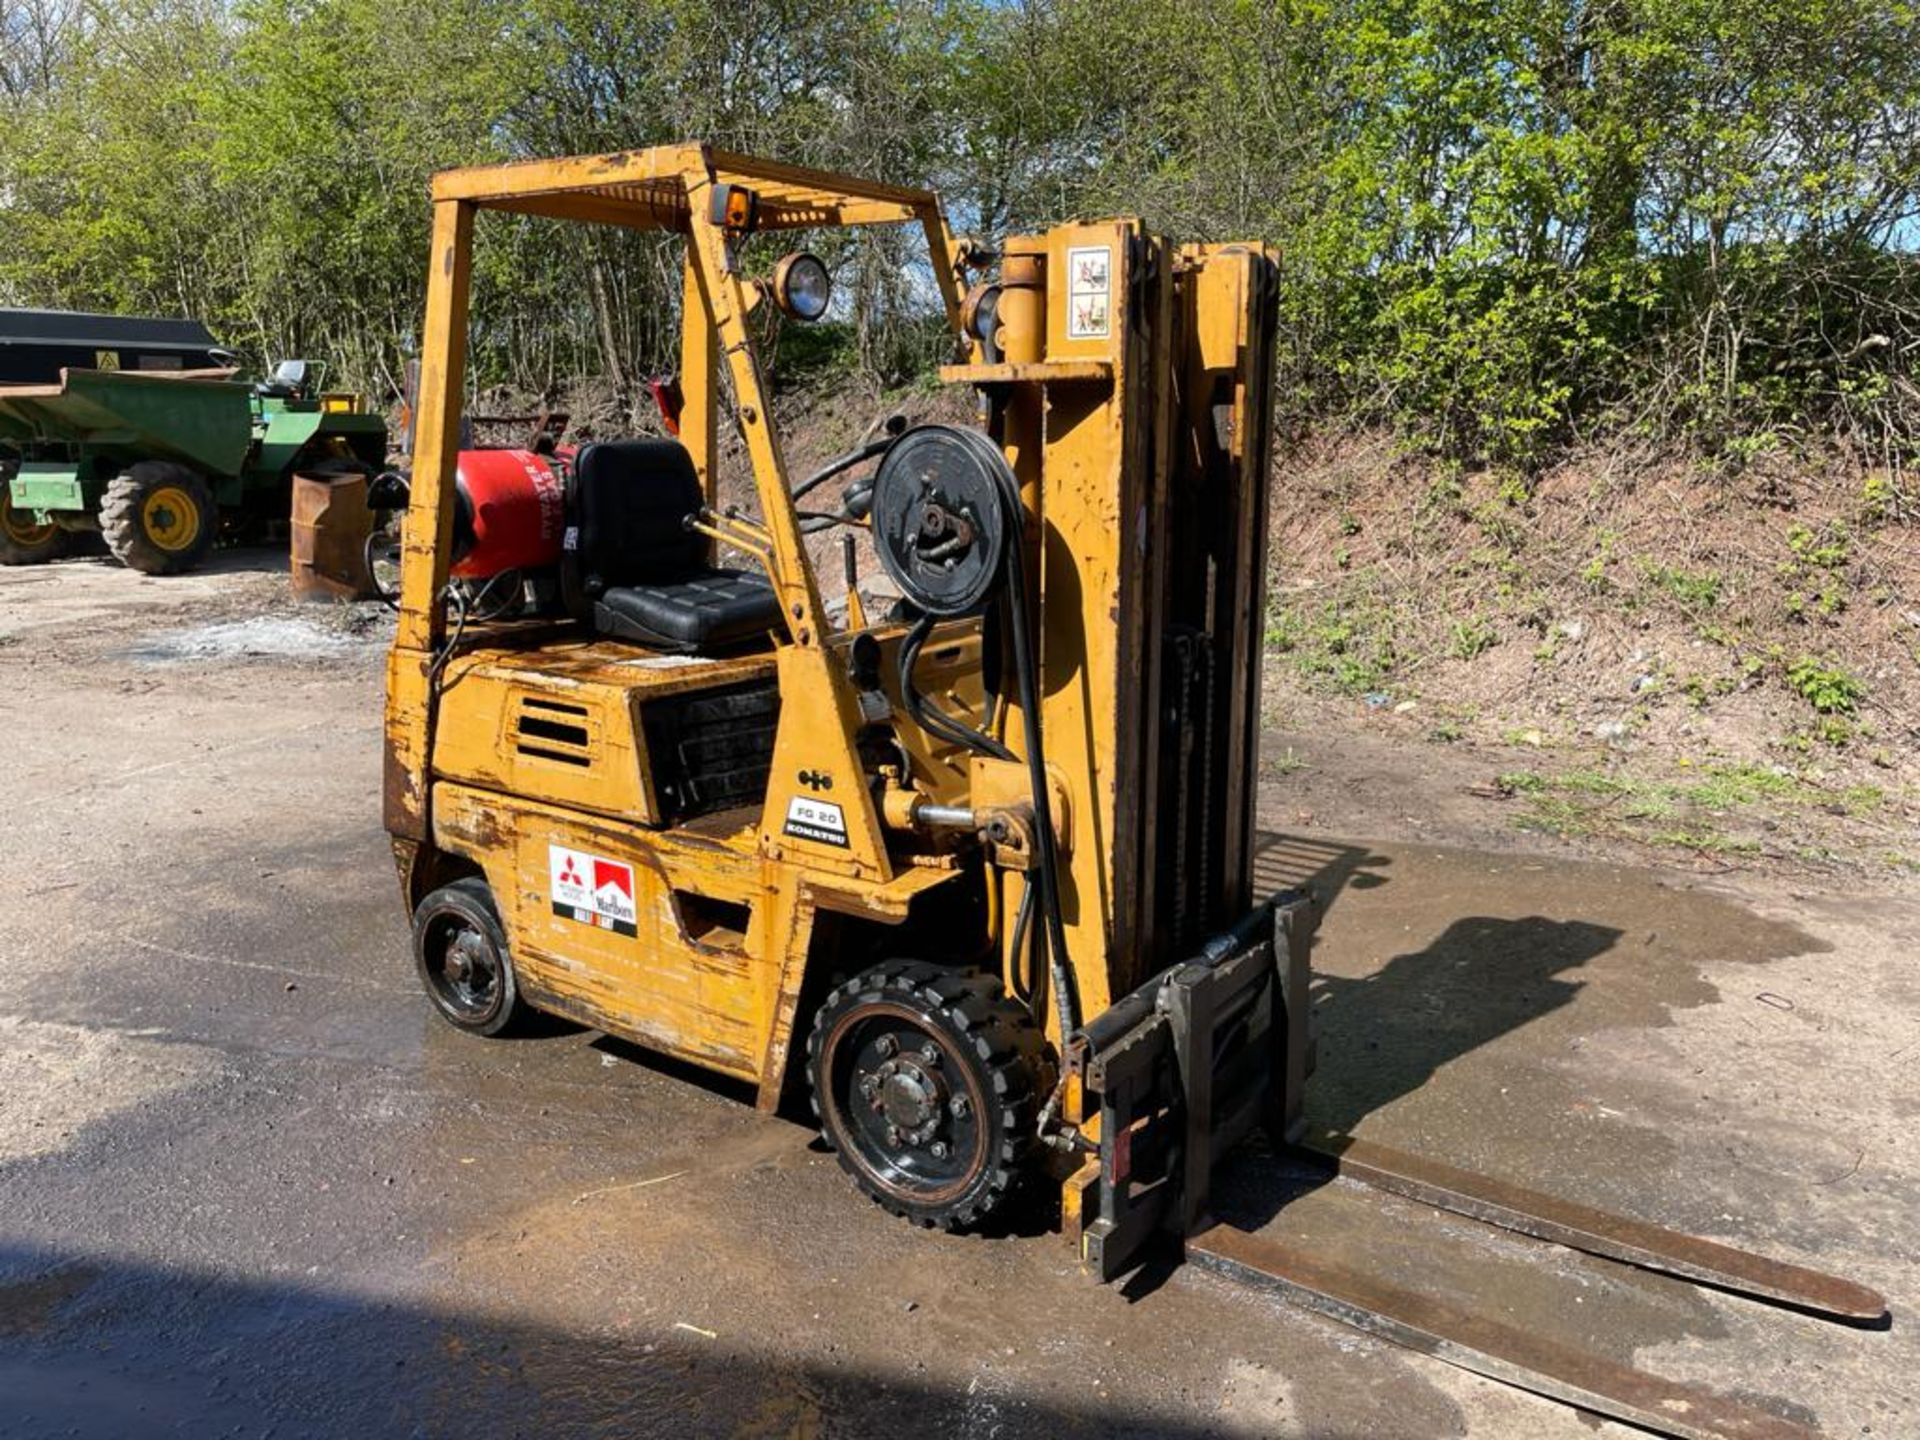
(161, 462)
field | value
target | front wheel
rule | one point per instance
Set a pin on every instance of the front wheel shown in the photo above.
(159, 518)
(24, 540)
(461, 951)
(925, 1082)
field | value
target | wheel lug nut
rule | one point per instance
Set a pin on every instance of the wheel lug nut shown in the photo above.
(893, 1136)
(869, 1084)
(938, 1149)
(930, 1053)
(959, 1107)
(886, 1045)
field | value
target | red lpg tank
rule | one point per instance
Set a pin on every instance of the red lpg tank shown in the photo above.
(509, 512)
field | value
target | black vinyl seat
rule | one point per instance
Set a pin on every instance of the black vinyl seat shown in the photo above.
(637, 572)
(713, 609)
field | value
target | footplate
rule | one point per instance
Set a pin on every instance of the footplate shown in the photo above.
(1172, 1077)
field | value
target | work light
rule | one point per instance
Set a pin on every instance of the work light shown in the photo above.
(801, 286)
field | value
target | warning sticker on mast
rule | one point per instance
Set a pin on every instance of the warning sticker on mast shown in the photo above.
(591, 890)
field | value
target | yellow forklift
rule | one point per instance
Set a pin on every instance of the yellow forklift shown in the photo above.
(976, 873)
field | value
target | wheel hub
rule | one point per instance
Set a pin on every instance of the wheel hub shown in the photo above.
(468, 966)
(902, 1099)
(20, 526)
(911, 1097)
(170, 519)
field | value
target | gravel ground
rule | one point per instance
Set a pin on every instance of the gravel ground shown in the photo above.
(248, 1186)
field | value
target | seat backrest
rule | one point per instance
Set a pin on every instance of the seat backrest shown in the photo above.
(631, 499)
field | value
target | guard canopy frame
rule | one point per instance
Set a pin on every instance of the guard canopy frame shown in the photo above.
(665, 189)
(655, 189)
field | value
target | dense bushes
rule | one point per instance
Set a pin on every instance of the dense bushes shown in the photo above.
(1507, 225)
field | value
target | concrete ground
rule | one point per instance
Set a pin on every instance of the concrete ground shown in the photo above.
(250, 1186)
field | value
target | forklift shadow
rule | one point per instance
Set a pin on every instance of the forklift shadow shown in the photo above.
(1036, 1213)
(1323, 868)
(670, 1067)
(1384, 1035)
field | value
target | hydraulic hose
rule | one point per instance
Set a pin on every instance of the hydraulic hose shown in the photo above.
(930, 716)
(1026, 672)
(1021, 949)
(841, 462)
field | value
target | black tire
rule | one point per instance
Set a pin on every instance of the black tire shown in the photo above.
(460, 950)
(159, 518)
(22, 540)
(937, 1125)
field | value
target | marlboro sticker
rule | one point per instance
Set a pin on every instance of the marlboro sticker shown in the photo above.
(1089, 291)
(591, 890)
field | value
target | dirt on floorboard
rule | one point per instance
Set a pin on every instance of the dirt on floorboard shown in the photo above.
(249, 1184)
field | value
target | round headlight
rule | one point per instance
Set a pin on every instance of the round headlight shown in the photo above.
(801, 286)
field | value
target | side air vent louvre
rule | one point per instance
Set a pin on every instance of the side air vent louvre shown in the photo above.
(553, 730)
(558, 730)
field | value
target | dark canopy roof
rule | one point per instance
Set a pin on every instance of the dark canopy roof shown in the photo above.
(75, 328)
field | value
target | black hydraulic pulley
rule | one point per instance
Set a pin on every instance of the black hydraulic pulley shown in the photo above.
(942, 517)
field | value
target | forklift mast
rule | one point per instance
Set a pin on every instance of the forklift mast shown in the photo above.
(1129, 384)
(1132, 397)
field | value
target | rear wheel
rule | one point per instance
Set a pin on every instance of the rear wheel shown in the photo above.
(24, 540)
(159, 518)
(925, 1082)
(460, 948)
